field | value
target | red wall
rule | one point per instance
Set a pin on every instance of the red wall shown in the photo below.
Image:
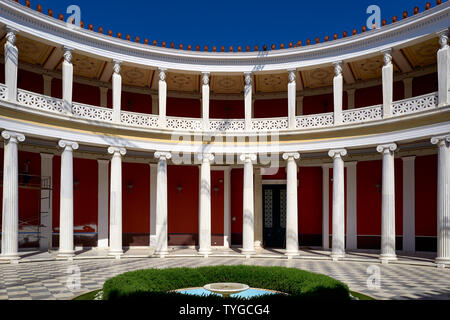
(217, 201)
(226, 109)
(85, 94)
(237, 189)
(270, 108)
(310, 200)
(426, 195)
(30, 81)
(425, 84)
(322, 103)
(177, 107)
(135, 102)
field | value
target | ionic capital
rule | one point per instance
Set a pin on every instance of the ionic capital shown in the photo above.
(205, 157)
(387, 57)
(337, 68)
(161, 155)
(387, 148)
(291, 156)
(68, 145)
(441, 140)
(117, 151)
(248, 78)
(292, 75)
(248, 157)
(116, 66)
(14, 137)
(205, 78)
(162, 74)
(67, 54)
(337, 153)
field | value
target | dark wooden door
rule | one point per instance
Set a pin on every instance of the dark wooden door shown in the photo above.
(274, 215)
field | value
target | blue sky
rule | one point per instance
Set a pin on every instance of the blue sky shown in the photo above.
(230, 23)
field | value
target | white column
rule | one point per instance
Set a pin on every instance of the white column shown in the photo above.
(102, 205)
(116, 91)
(67, 80)
(351, 98)
(409, 197)
(66, 247)
(338, 85)
(161, 204)
(204, 219)
(153, 173)
(248, 241)
(248, 101)
(155, 104)
(205, 100)
(227, 207)
(162, 93)
(407, 87)
(45, 240)
(103, 97)
(338, 228)
(351, 237)
(388, 203)
(325, 206)
(443, 199)
(292, 91)
(11, 63)
(443, 63)
(258, 225)
(299, 105)
(10, 211)
(47, 85)
(115, 220)
(291, 204)
(388, 83)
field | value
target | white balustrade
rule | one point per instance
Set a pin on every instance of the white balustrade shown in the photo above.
(320, 120)
(39, 101)
(91, 112)
(2, 91)
(226, 125)
(270, 124)
(139, 119)
(415, 104)
(362, 114)
(188, 124)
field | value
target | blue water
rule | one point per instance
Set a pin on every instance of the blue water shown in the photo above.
(250, 293)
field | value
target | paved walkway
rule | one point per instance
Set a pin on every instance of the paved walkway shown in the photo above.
(50, 279)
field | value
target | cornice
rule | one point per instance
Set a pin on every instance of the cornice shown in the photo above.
(58, 33)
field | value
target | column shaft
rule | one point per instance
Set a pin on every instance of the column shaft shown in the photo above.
(115, 221)
(291, 204)
(66, 246)
(162, 93)
(325, 207)
(299, 106)
(338, 239)
(103, 180)
(11, 64)
(205, 100)
(258, 208)
(153, 178)
(161, 204)
(443, 200)
(10, 211)
(388, 203)
(338, 85)
(248, 209)
(204, 233)
(104, 97)
(351, 98)
(47, 85)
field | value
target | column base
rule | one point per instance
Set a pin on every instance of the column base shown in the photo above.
(115, 253)
(162, 253)
(247, 252)
(13, 258)
(386, 258)
(336, 256)
(291, 254)
(66, 254)
(442, 262)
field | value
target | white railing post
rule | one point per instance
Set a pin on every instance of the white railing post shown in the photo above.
(67, 80)
(205, 100)
(291, 99)
(387, 80)
(248, 100)
(338, 85)
(162, 93)
(11, 64)
(116, 91)
(443, 66)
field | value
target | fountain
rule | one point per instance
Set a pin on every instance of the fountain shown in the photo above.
(226, 288)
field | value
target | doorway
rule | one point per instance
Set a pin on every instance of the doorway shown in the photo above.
(274, 215)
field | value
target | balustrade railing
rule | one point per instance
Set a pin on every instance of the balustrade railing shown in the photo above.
(352, 116)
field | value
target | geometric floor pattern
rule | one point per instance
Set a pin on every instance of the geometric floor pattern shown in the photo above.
(53, 280)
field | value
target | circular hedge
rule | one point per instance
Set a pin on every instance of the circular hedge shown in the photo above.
(157, 283)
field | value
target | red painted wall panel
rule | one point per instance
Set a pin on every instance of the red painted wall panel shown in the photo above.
(318, 104)
(425, 84)
(135, 200)
(426, 195)
(177, 107)
(2, 73)
(226, 109)
(57, 88)
(237, 188)
(310, 200)
(270, 108)
(183, 205)
(30, 81)
(135, 102)
(217, 201)
(85, 94)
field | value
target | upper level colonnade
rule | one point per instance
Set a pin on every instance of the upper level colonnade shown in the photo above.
(385, 41)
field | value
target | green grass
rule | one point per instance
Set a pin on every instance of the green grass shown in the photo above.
(156, 283)
(88, 296)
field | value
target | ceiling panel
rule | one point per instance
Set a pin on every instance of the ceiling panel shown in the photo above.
(86, 67)
(422, 54)
(369, 68)
(271, 82)
(227, 84)
(182, 82)
(316, 78)
(30, 51)
(132, 76)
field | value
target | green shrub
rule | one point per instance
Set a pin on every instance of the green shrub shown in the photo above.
(156, 283)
